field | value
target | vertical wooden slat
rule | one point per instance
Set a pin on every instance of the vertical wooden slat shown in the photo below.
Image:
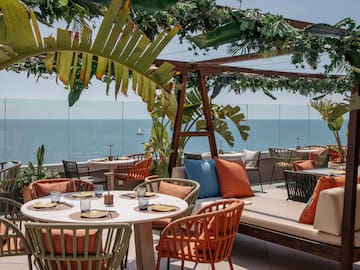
(352, 162)
(207, 113)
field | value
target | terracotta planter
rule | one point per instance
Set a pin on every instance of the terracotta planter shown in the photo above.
(26, 194)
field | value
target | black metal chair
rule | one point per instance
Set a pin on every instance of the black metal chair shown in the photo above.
(71, 169)
(300, 186)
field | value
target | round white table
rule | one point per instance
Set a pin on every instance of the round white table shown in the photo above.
(110, 165)
(124, 207)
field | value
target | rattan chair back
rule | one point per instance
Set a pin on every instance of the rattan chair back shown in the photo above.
(13, 241)
(78, 246)
(283, 158)
(154, 184)
(73, 185)
(8, 179)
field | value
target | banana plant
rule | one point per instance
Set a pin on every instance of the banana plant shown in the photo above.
(119, 52)
(332, 113)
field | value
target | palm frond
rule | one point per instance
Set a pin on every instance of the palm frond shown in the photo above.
(120, 51)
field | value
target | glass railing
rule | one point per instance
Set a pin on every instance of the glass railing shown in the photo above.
(86, 130)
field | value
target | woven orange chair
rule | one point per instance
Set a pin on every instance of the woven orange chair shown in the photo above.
(206, 237)
(125, 174)
(43, 187)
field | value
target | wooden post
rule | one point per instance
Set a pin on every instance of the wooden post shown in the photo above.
(207, 113)
(352, 163)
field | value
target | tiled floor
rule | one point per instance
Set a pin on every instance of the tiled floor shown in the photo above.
(248, 254)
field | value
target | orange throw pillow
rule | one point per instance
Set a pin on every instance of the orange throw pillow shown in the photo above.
(303, 165)
(174, 190)
(308, 214)
(44, 189)
(233, 179)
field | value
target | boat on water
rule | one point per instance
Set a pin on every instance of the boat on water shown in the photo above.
(140, 131)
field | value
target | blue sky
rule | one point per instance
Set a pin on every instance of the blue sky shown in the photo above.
(16, 86)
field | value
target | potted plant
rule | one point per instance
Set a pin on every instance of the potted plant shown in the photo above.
(32, 173)
(333, 115)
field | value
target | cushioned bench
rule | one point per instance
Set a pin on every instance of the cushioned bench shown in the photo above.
(271, 217)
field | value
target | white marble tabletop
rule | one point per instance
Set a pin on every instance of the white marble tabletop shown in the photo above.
(126, 210)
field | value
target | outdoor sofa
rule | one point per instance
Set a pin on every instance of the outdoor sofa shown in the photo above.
(272, 217)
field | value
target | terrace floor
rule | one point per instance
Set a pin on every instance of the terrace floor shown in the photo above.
(248, 253)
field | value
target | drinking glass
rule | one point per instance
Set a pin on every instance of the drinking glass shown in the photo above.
(85, 205)
(55, 196)
(141, 191)
(143, 202)
(98, 190)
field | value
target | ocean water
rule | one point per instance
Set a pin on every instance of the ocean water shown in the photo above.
(85, 139)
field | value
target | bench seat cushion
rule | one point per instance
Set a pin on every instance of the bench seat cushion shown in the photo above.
(329, 211)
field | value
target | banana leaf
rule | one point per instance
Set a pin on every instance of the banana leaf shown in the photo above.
(118, 43)
(227, 33)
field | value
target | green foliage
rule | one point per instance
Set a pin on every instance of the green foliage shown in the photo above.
(33, 173)
(332, 113)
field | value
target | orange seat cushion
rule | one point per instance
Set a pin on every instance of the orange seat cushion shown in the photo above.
(308, 214)
(303, 165)
(45, 188)
(233, 179)
(174, 190)
(80, 244)
(161, 223)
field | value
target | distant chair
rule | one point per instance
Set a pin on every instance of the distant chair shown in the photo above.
(137, 157)
(8, 178)
(195, 156)
(206, 237)
(43, 187)
(78, 246)
(252, 163)
(322, 159)
(127, 173)
(71, 169)
(283, 158)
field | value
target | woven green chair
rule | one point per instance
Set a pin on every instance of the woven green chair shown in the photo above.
(154, 186)
(8, 179)
(96, 245)
(283, 158)
(13, 241)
